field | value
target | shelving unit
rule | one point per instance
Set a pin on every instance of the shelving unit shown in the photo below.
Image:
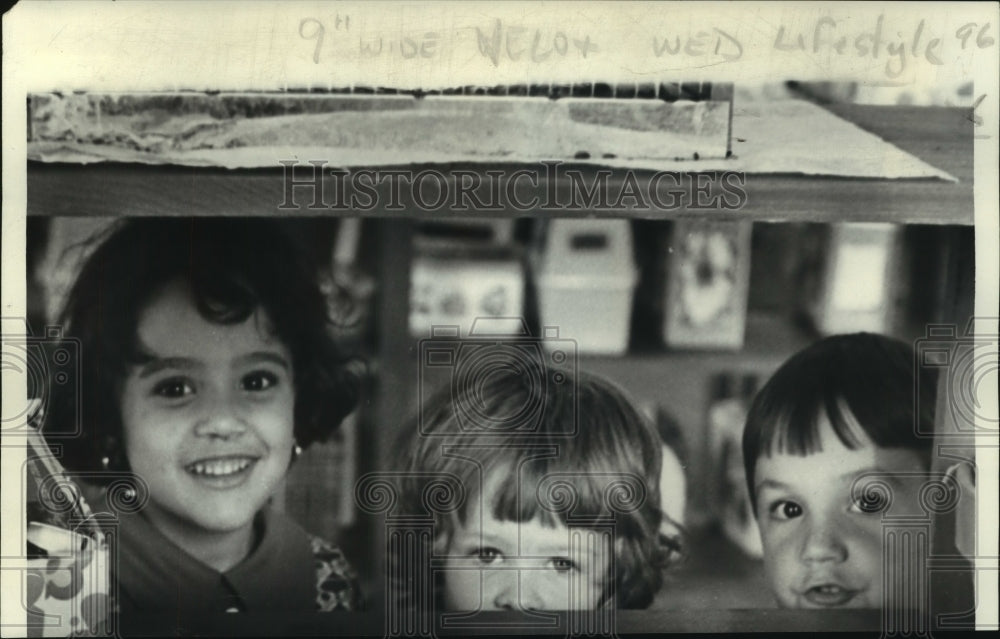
(942, 137)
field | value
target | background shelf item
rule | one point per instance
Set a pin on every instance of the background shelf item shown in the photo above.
(585, 275)
(708, 277)
(319, 488)
(728, 494)
(459, 289)
(854, 286)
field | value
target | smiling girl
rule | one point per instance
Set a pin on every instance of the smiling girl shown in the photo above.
(205, 368)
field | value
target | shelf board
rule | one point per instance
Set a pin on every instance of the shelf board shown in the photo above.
(943, 137)
(769, 340)
(508, 623)
(769, 337)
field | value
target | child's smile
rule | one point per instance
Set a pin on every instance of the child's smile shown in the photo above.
(208, 419)
(822, 548)
(221, 471)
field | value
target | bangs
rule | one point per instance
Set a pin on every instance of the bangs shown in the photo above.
(794, 430)
(592, 457)
(863, 383)
(219, 298)
(556, 484)
(552, 490)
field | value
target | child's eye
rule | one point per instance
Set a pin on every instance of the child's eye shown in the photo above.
(173, 388)
(562, 564)
(785, 509)
(487, 555)
(258, 381)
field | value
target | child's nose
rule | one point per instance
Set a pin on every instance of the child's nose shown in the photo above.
(517, 590)
(823, 543)
(220, 417)
(504, 589)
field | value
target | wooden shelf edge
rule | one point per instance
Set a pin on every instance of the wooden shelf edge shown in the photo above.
(96, 190)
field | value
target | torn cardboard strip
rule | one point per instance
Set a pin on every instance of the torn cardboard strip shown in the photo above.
(781, 137)
(482, 128)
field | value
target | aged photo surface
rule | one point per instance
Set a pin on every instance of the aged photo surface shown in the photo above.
(452, 319)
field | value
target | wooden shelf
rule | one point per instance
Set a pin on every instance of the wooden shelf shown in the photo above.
(503, 623)
(942, 137)
(768, 338)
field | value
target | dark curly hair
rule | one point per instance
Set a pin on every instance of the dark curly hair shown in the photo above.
(598, 439)
(232, 267)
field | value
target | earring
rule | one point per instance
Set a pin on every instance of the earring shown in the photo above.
(110, 453)
(296, 451)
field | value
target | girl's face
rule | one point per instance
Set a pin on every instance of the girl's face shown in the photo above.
(208, 421)
(509, 565)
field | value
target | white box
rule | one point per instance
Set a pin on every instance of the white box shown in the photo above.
(859, 275)
(586, 278)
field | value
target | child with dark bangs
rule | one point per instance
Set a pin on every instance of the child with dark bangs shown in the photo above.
(205, 368)
(561, 515)
(835, 416)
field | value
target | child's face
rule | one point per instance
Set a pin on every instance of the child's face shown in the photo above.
(821, 550)
(506, 565)
(208, 422)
